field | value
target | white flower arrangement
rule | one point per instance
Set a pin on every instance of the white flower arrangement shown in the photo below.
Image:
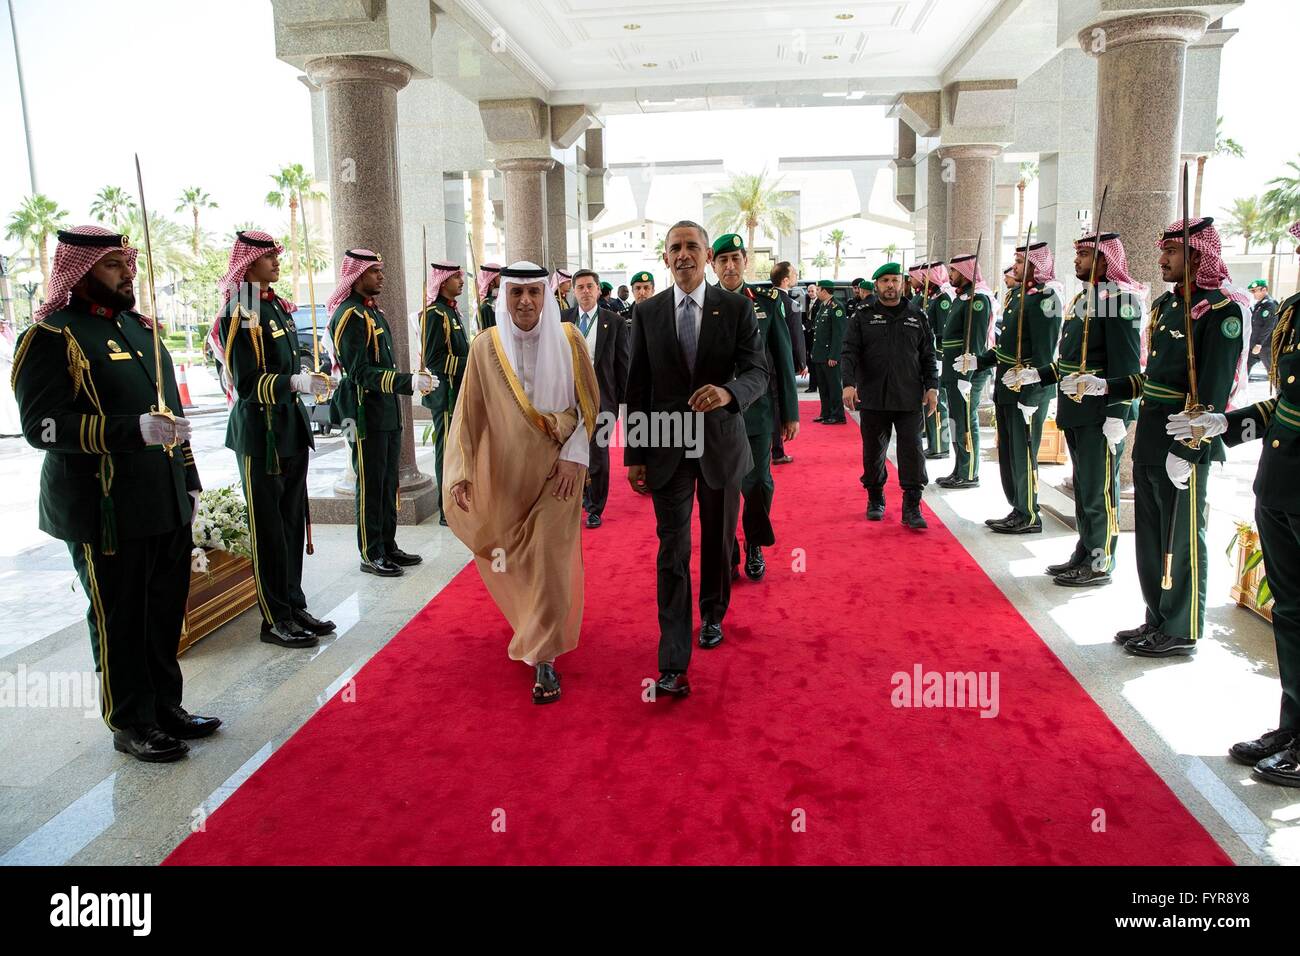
(221, 524)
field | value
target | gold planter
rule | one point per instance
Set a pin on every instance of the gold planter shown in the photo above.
(221, 594)
(1245, 590)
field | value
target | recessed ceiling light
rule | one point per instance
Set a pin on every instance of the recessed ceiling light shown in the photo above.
(631, 26)
(830, 56)
(843, 16)
(650, 66)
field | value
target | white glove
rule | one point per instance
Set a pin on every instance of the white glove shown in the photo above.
(1115, 431)
(1029, 411)
(966, 362)
(963, 386)
(1069, 385)
(1180, 426)
(424, 381)
(1178, 470)
(308, 384)
(1021, 376)
(160, 430)
(1090, 385)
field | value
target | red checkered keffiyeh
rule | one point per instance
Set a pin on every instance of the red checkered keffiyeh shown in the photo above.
(350, 271)
(968, 268)
(1294, 229)
(438, 274)
(1117, 273)
(74, 256)
(250, 245)
(557, 277)
(487, 273)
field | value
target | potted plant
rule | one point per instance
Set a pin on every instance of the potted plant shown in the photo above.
(1251, 588)
(221, 568)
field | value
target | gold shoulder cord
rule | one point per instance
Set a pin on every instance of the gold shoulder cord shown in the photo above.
(1281, 333)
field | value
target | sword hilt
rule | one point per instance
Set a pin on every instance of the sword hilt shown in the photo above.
(165, 412)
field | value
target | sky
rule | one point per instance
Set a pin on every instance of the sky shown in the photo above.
(194, 86)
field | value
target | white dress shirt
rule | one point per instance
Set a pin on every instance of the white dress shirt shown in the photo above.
(591, 331)
(698, 296)
(576, 449)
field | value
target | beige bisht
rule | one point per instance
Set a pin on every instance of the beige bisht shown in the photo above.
(505, 442)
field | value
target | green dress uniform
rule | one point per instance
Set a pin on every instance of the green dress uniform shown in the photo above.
(487, 312)
(1113, 318)
(1180, 611)
(935, 307)
(777, 405)
(1018, 439)
(83, 376)
(270, 433)
(445, 349)
(828, 343)
(368, 398)
(967, 324)
(1277, 498)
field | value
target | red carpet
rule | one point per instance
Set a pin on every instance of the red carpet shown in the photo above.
(791, 723)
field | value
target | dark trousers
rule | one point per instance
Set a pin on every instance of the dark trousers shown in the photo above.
(1096, 496)
(277, 524)
(778, 439)
(756, 488)
(831, 391)
(441, 412)
(1180, 611)
(936, 427)
(965, 420)
(375, 460)
(137, 609)
(1279, 536)
(1018, 444)
(596, 493)
(876, 427)
(719, 510)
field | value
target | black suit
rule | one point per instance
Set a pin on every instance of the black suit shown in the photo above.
(611, 360)
(728, 354)
(800, 356)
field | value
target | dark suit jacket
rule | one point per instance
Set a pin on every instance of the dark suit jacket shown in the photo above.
(728, 354)
(795, 324)
(611, 355)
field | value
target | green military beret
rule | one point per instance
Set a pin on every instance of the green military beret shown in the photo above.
(728, 243)
(643, 277)
(888, 269)
(1258, 284)
(606, 287)
(827, 284)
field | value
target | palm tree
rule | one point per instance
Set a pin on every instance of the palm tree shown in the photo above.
(319, 261)
(890, 251)
(110, 203)
(1282, 202)
(820, 262)
(836, 238)
(293, 185)
(1244, 219)
(193, 198)
(1028, 173)
(170, 247)
(750, 203)
(1223, 146)
(32, 224)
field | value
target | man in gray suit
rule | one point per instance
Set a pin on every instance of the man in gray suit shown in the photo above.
(695, 352)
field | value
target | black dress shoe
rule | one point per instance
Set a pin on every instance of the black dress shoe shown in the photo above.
(1160, 644)
(1282, 768)
(834, 421)
(313, 624)
(936, 454)
(1052, 570)
(1133, 633)
(288, 634)
(876, 508)
(593, 521)
(1084, 576)
(783, 460)
(442, 519)
(710, 635)
(1007, 519)
(755, 566)
(177, 722)
(149, 744)
(673, 683)
(403, 559)
(912, 516)
(1251, 752)
(1019, 527)
(382, 567)
(819, 420)
(963, 483)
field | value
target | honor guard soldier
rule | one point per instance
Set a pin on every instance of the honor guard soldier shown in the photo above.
(890, 375)
(269, 431)
(935, 301)
(445, 349)
(489, 280)
(367, 398)
(828, 341)
(1105, 318)
(643, 286)
(1031, 327)
(1263, 316)
(561, 282)
(118, 484)
(1168, 476)
(970, 320)
(914, 280)
(1276, 754)
(780, 402)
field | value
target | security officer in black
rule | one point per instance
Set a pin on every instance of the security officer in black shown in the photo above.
(890, 372)
(445, 349)
(1263, 316)
(270, 433)
(1275, 755)
(118, 483)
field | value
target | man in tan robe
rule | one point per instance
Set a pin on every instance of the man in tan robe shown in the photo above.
(515, 465)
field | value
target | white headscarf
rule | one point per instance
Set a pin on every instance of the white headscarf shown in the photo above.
(553, 387)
